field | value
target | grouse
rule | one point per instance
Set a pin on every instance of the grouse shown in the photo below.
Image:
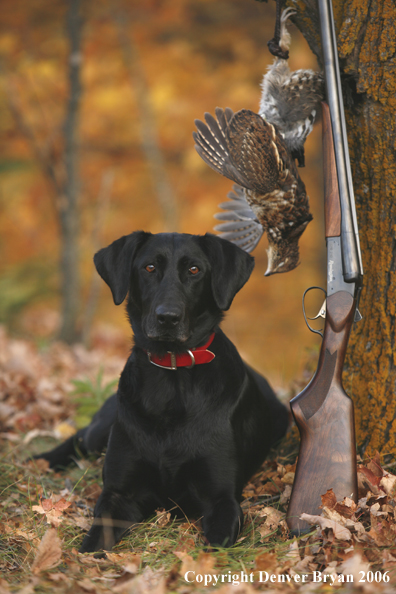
(290, 100)
(250, 151)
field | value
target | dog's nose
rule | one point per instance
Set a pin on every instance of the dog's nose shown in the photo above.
(168, 316)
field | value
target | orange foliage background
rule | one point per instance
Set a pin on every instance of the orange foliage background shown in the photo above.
(194, 55)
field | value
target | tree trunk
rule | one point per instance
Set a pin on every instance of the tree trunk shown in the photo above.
(366, 33)
(148, 132)
(68, 206)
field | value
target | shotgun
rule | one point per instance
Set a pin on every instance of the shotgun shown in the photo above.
(323, 411)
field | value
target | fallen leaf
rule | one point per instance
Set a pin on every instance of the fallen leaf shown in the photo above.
(266, 562)
(329, 499)
(368, 480)
(4, 587)
(388, 484)
(288, 478)
(149, 581)
(285, 496)
(272, 521)
(186, 544)
(375, 465)
(163, 517)
(49, 552)
(339, 531)
(293, 552)
(86, 585)
(52, 510)
(347, 507)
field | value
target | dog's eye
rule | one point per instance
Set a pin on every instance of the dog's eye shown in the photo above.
(193, 270)
(150, 268)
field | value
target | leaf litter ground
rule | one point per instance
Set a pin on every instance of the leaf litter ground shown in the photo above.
(44, 514)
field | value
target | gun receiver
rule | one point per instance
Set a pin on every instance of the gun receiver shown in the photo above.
(323, 411)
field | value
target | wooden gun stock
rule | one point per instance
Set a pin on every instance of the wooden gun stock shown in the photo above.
(324, 416)
(323, 411)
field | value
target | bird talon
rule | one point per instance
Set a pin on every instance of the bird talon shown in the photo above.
(287, 13)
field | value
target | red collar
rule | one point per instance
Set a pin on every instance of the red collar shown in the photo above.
(188, 359)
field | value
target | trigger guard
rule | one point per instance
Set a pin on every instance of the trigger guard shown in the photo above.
(305, 315)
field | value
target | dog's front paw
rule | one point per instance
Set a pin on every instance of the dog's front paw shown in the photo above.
(99, 538)
(223, 523)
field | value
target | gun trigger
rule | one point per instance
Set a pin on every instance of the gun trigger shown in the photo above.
(322, 312)
(358, 316)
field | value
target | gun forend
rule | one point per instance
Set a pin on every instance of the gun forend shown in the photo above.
(332, 205)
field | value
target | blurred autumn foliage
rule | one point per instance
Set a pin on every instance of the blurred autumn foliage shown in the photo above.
(147, 71)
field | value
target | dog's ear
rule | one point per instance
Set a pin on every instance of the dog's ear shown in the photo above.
(114, 263)
(230, 266)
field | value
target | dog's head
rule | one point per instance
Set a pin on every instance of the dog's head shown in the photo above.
(178, 284)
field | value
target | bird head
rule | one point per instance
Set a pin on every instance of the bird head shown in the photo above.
(283, 254)
(282, 258)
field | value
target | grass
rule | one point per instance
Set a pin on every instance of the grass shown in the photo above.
(21, 487)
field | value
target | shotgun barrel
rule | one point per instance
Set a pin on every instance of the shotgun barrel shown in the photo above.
(351, 255)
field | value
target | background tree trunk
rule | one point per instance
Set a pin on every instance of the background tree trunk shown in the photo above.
(69, 203)
(366, 33)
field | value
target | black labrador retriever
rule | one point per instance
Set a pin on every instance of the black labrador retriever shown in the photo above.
(190, 422)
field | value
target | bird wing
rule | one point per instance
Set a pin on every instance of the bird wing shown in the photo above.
(242, 147)
(241, 226)
(212, 147)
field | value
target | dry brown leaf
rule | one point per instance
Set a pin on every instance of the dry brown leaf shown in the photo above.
(272, 521)
(4, 587)
(339, 531)
(80, 521)
(368, 480)
(148, 582)
(188, 563)
(288, 478)
(129, 561)
(347, 507)
(388, 484)
(186, 544)
(382, 531)
(59, 577)
(49, 552)
(163, 517)
(266, 562)
(329, 499)
(357, 567)
(52, 510)
(245, 588)
(375, 465)
(92, 492)
(293, 552)
(205, 563)
(285, 496)
(86, 585)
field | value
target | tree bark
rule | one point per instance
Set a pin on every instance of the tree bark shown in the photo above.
(69, 207)
(366, 34)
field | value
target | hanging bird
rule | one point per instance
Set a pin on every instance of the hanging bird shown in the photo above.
(290, 100)
(248, 150)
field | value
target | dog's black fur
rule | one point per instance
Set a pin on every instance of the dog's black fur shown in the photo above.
(190, 437)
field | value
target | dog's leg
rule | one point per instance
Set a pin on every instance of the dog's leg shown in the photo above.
(89, 440)
(114, 514)
(222, 522)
